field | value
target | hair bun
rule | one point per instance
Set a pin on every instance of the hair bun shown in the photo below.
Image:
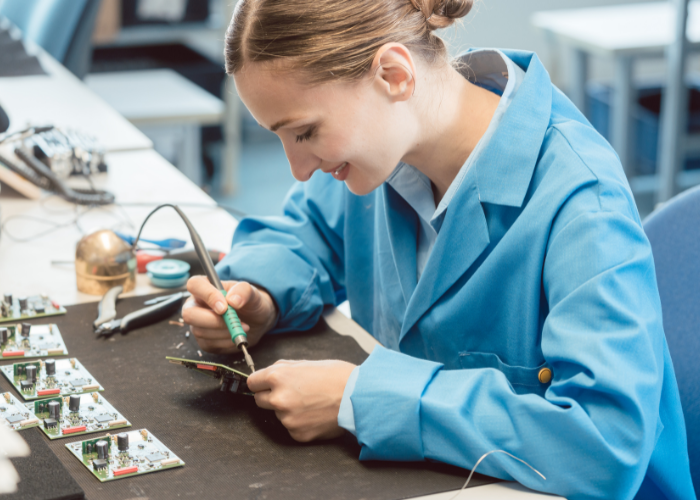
(442, 13)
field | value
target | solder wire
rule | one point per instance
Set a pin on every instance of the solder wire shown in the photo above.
(233, 323)
(469, 478)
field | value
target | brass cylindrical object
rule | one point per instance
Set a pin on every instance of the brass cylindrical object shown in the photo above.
(102, 261)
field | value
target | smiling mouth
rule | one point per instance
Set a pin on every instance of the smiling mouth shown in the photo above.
(335, 170)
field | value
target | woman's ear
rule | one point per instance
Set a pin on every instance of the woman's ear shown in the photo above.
(394, 72)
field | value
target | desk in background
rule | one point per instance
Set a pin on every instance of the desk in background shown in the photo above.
(622, 33)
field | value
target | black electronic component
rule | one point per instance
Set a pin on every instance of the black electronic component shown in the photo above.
(89, 448)
(50, 423)
(99, 464)
(23, 303)
(26, 328)
(123, 441)
(26, 386)
(7, 298)
(31, 373)
(54, 409)
(74, 402)
(50, 365)
(4, 335)
(102, 448)
(39, 309)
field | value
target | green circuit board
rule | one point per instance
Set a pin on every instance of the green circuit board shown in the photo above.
(15, 415)
(145, 454)
(94, 414)
(70, 377)
(35, 306)
(230, 380)
(42, 340)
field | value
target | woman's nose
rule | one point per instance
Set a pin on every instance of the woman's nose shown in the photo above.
(303, 164)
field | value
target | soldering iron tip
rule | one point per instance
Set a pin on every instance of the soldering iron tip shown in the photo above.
(248, 359)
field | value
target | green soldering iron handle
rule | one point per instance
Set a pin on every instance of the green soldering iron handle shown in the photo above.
(234, 325)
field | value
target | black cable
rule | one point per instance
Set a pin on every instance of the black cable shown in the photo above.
(26, 173)
(79, 196)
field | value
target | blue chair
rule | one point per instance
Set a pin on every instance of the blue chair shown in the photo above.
(674, 233)
(63, 28)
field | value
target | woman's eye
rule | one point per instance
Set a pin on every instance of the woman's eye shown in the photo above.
(306, 135)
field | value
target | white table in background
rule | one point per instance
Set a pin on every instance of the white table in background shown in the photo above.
(59, 98)
(167, 107)
(622, 33)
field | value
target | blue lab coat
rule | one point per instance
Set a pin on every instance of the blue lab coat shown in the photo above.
(541, 262)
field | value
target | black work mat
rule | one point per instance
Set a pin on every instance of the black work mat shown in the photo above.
(42, 475)
(232, 448)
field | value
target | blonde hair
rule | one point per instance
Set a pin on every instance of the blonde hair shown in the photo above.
(336, 39)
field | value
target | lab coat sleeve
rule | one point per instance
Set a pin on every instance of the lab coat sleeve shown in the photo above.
(298, 257)
(346, 414)
(593, 433)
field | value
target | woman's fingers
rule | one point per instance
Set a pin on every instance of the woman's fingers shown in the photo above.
(202, 289)
(262, 399)
(197, 313)
(243, 295)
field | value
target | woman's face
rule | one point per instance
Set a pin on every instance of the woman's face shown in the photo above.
(355, 132)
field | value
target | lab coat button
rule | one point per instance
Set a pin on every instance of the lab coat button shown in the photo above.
(545, 375)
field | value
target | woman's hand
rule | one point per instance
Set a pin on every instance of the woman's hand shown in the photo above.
(305, 395)
(203, 310)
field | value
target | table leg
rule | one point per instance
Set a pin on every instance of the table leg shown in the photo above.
(674, 113)
(579, 77)
(622, 111)
(190, 160)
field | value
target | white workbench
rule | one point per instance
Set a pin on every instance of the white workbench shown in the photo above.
(622, 33)
(135, 177)
(160, 102)
(61, 99)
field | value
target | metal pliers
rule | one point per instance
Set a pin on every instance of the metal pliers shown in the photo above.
(105, 325)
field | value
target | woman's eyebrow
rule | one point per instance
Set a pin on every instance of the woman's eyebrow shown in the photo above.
(282, 123)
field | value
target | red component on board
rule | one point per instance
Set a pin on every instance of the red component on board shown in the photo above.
(7, 354)
(207, 367)
(72, 430)
(46, 392)
(126, 470)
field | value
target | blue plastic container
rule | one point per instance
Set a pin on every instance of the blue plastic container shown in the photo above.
(645, 123)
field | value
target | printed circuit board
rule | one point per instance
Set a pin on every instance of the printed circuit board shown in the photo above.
(230, 380)
(15, 415)
(76, 414)
(31, 341)
(123, 455)
(22, 308)
(50, 377)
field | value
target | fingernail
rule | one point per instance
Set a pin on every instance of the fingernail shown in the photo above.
(237, 301)
(220, 307)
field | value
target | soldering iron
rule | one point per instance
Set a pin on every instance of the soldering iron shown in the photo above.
(233, 323)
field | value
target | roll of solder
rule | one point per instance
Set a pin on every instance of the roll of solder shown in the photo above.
(168, 273)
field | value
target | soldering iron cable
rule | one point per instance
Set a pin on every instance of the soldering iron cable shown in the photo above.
(233, 323)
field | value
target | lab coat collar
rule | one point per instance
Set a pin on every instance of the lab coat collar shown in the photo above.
(506, 164)
(402, 228)
(501, 175)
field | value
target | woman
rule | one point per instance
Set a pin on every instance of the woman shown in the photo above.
(482, 231)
